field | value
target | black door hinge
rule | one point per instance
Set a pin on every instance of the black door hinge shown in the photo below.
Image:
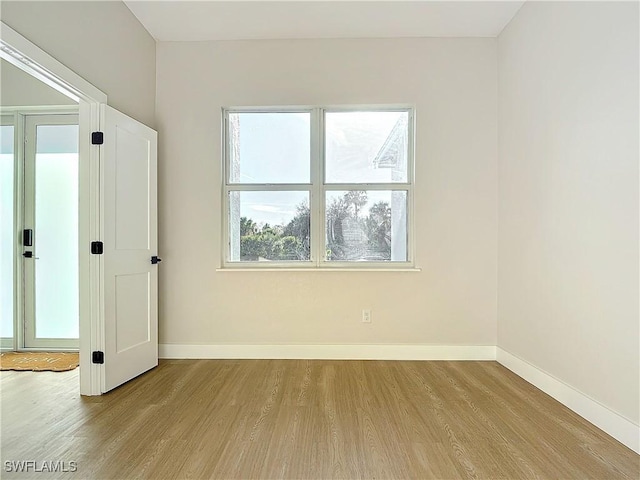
(97, 248)
(97, 357)
(97, 138)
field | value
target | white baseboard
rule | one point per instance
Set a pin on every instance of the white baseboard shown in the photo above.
(331, 352)
(620, 428)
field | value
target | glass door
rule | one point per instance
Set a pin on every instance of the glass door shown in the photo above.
(49, 239)
(7, 160)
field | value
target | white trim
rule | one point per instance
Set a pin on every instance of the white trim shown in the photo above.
(40, 110)
(355, 107)
(47, 349)
(411, 178)
(270, 187)
(318, 165)
(243, 267)
(317, 188)
(225, 252)
(30, 58)
(619, 427)
(330, 352)
(91, 308)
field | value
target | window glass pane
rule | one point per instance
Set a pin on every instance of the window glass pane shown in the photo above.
(366, 147)
(366, 226)
(269, 226)
(269, 147)
(56, 231)
(6, 231)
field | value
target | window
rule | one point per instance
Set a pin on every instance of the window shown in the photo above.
(318, 187)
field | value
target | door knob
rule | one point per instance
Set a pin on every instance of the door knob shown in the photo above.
(155, 260)
(29, 255)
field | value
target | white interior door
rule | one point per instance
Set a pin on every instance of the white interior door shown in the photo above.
(129, 163)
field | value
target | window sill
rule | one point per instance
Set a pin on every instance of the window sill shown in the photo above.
(319, 269)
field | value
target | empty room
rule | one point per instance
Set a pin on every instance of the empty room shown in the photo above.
(329, 240)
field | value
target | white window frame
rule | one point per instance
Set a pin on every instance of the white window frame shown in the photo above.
(317, 189)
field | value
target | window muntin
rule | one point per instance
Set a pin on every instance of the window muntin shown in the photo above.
(287, 214)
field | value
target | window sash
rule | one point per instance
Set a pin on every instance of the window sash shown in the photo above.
(317, 189)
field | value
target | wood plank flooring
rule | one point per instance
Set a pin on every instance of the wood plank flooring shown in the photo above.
(299, 419)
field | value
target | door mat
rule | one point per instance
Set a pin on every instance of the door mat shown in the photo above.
(39, 361)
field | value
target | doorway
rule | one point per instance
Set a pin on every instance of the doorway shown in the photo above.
(39, 258)
(108, 140)
(28, 57)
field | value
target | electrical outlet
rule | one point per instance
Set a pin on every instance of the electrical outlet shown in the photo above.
(366, 316)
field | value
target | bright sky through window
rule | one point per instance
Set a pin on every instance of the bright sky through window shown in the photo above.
(275, 148)
(317, 186)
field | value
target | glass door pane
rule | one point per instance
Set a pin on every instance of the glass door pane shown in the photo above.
(51, 210)
(56, 232)
(6, 233)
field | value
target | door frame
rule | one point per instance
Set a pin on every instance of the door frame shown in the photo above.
(27, 323)
(31, 59)
(16, 116)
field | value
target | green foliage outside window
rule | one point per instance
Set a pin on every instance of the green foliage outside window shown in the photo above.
(349, 235)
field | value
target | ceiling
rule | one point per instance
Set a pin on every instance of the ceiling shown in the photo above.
(240, 20)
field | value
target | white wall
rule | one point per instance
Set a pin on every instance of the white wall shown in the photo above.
(20, 89)
(102, 42)
(452, 83)
(568, 196)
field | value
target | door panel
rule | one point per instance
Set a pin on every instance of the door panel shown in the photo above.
(133, 301)
(132, 196)
(129, 158)
(51, 299)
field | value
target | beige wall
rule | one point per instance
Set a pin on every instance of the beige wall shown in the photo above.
(20, 89)
(568, 176)
(452, 301)
(101, 41)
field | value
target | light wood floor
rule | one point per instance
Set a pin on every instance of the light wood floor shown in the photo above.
(295, 419)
